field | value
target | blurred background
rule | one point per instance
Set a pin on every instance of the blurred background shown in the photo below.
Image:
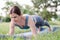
(48, 9)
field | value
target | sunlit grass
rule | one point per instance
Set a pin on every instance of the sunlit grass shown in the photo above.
(54, 23)
(48, 36)
(4, 28)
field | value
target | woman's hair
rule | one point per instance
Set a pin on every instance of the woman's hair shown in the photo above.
(16, 10)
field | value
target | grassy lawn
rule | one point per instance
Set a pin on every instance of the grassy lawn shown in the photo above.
(49, 36)
(54, 23)
(4, 28)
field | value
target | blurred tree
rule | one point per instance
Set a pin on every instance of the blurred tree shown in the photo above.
(58, 18)
(45, 14)
(7, 8)
(28, 10)
(35, 9)
(37, 4)
(56, 4)
(1, 17)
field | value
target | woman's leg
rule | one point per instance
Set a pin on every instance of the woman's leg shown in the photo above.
(47, 24)
(39, 30)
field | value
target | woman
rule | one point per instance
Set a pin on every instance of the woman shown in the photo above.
(25, 22)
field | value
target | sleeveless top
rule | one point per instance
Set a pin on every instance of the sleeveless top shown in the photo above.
(37, 19)
(26, 26)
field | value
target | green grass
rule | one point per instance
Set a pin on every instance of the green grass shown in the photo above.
(11, 38)
(4, 28)
(54, 23)
(49, 36)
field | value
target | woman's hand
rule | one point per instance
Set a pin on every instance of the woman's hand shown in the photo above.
(49, 29)
(32, 26)
(11, 28)
(9, 34)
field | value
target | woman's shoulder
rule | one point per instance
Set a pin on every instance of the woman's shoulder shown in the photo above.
(25, 14)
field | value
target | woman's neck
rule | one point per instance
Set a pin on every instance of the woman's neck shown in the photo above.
(22, 17)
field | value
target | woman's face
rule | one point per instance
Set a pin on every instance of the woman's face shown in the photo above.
(14, 16)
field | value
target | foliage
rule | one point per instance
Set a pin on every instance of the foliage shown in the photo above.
(0, 17)
(36, 8)
(6, 19)
(45, 14)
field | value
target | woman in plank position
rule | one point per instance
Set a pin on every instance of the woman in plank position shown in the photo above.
(25, 21)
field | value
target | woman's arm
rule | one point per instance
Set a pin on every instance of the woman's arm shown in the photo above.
(32, 26)
(11, 28)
